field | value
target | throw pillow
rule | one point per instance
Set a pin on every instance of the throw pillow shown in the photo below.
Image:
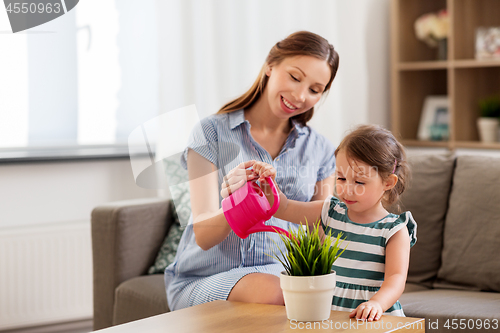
(472, 228)
(177, 179)
(427, 199)
(168, 249)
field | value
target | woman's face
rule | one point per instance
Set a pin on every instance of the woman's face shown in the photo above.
(296, 85)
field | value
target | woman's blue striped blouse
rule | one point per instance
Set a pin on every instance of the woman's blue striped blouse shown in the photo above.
(197, 276)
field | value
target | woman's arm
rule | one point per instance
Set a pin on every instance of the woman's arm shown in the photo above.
(324, 188)
(209, 224)
(397, 254)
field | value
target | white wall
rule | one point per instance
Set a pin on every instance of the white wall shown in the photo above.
(52, 192)
(363, 77)
(43, 207)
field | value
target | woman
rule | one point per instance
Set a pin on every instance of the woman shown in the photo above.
(267, 123)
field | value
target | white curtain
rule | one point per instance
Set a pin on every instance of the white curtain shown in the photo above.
(212, 50)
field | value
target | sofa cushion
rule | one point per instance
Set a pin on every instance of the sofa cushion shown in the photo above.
(178, 184)
(412, 287)
(448, 304)
(472, 228)
(139, 298)
(168, 249)
(427, 199)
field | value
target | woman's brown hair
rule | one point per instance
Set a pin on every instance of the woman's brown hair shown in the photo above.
(301, 43)
(377, 147)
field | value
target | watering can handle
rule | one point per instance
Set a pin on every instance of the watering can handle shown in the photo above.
(276, 195)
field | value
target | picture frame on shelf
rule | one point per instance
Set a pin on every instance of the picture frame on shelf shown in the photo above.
(434, 119)
(488, 43)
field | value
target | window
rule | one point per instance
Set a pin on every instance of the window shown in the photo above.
(86, 78)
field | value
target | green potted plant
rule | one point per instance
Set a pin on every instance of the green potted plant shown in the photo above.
(308, 281)
(488, 121)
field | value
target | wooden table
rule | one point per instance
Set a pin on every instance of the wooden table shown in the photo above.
(224, 316)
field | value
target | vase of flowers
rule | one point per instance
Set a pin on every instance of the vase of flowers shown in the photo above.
(433, 30)
(308, 281)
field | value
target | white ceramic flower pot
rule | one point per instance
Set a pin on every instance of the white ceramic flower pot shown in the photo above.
(308, 298)
(488, 129)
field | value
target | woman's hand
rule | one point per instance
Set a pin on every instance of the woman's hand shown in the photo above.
(263, 170)
(371, 310)
(236, 178)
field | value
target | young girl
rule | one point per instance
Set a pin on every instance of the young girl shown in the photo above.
(371, 173)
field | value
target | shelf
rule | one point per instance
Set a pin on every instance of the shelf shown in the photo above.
(473, 63)
(467, 16)
(420, 143)
(416, 74)
(430, 65)
(477, 145)
(446, 144)
(422, 65)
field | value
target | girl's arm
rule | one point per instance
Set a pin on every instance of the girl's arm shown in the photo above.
(290, 210)
(324, 188)
(298, 211)
(396, 268)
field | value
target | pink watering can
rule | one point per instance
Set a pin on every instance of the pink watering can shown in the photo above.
(247, 209)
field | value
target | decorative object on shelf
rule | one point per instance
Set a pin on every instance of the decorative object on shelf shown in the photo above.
(488, 43)
(434, 123)
(488, 122)
(433, 29)
(308, 281)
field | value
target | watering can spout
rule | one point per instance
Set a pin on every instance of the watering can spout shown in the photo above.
(268, 228)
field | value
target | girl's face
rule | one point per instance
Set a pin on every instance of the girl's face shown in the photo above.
(360, 186)
(296, 85)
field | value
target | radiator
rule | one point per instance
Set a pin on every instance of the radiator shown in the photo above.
(45, 274)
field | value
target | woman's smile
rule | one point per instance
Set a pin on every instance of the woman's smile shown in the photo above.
(287, 106)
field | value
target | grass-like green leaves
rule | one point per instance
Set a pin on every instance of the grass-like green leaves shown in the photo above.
(306, 254)
(490, 106)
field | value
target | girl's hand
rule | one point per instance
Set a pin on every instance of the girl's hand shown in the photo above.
(236, 178)
(371, 310)
(263, 170)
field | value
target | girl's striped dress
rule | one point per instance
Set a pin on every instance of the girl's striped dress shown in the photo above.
(360, 269)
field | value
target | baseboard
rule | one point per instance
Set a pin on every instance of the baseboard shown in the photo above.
(80, 326)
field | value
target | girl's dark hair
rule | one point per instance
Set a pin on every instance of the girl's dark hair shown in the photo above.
(301, 43)
(377, 147)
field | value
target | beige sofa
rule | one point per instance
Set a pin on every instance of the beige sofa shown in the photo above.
(454, 268)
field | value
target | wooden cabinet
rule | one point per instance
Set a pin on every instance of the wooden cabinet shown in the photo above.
(415, 72)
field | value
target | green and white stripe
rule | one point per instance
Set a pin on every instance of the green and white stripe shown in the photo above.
(360, 270)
